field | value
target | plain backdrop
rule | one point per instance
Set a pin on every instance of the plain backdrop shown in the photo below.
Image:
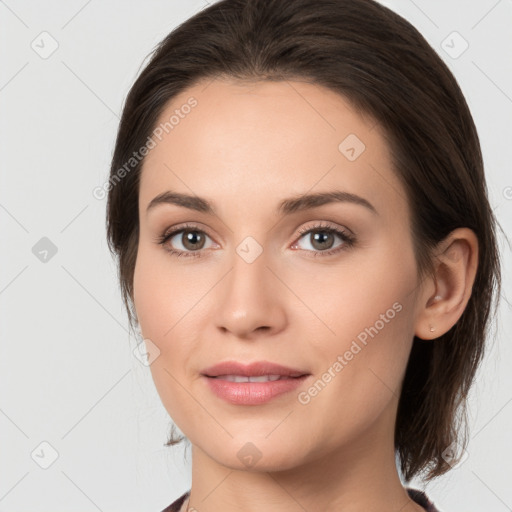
(81, 425)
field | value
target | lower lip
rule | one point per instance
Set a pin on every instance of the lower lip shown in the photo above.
(252, 393)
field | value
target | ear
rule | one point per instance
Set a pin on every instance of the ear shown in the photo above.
(447, 293)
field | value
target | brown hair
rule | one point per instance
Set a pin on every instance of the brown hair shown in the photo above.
(380, 63)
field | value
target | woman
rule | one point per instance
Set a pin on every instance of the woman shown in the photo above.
(298, 206)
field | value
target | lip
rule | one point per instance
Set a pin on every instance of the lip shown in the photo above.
(252, 393)
(254, 369)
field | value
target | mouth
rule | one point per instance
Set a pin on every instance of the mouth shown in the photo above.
(253, 384)
(245, 391)
(259, 371)
(253, 378)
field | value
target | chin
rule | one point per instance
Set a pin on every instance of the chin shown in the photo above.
(259, 455)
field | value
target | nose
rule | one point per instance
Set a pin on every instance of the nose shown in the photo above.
(250, 301)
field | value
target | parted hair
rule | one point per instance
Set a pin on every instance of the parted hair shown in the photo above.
(386, 69)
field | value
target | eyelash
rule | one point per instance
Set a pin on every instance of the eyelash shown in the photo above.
(348, 240)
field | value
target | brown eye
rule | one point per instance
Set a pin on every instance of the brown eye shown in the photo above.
(321, 240)
(192, 239)
(185, 241)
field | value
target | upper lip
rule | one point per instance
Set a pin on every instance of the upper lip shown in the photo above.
(254, 369)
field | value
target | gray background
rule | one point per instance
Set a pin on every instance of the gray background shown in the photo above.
(68, 377)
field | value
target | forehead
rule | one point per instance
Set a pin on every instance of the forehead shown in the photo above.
(256, 140)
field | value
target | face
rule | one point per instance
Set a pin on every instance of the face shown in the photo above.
(325, 286)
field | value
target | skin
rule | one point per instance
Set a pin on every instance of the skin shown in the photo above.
(245, 147)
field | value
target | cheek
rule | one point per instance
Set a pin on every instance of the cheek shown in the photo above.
(171, 304)
(340, 301)
(148, 290)
(357, 388)
(369, 313)
(162, 294)
(376, 312)
(162, 300)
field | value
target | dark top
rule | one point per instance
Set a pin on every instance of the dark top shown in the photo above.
(415, 494)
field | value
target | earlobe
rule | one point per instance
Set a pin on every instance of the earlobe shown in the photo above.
(456, 261)
(431, 301)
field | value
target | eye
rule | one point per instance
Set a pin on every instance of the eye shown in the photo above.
(185, 241)
(321, 239)
(189, 240)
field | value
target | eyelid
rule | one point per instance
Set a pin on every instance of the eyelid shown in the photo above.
(184, 226)
(299, 232)
(322, 224)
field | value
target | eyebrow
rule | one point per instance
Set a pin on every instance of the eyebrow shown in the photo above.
(285, 207)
